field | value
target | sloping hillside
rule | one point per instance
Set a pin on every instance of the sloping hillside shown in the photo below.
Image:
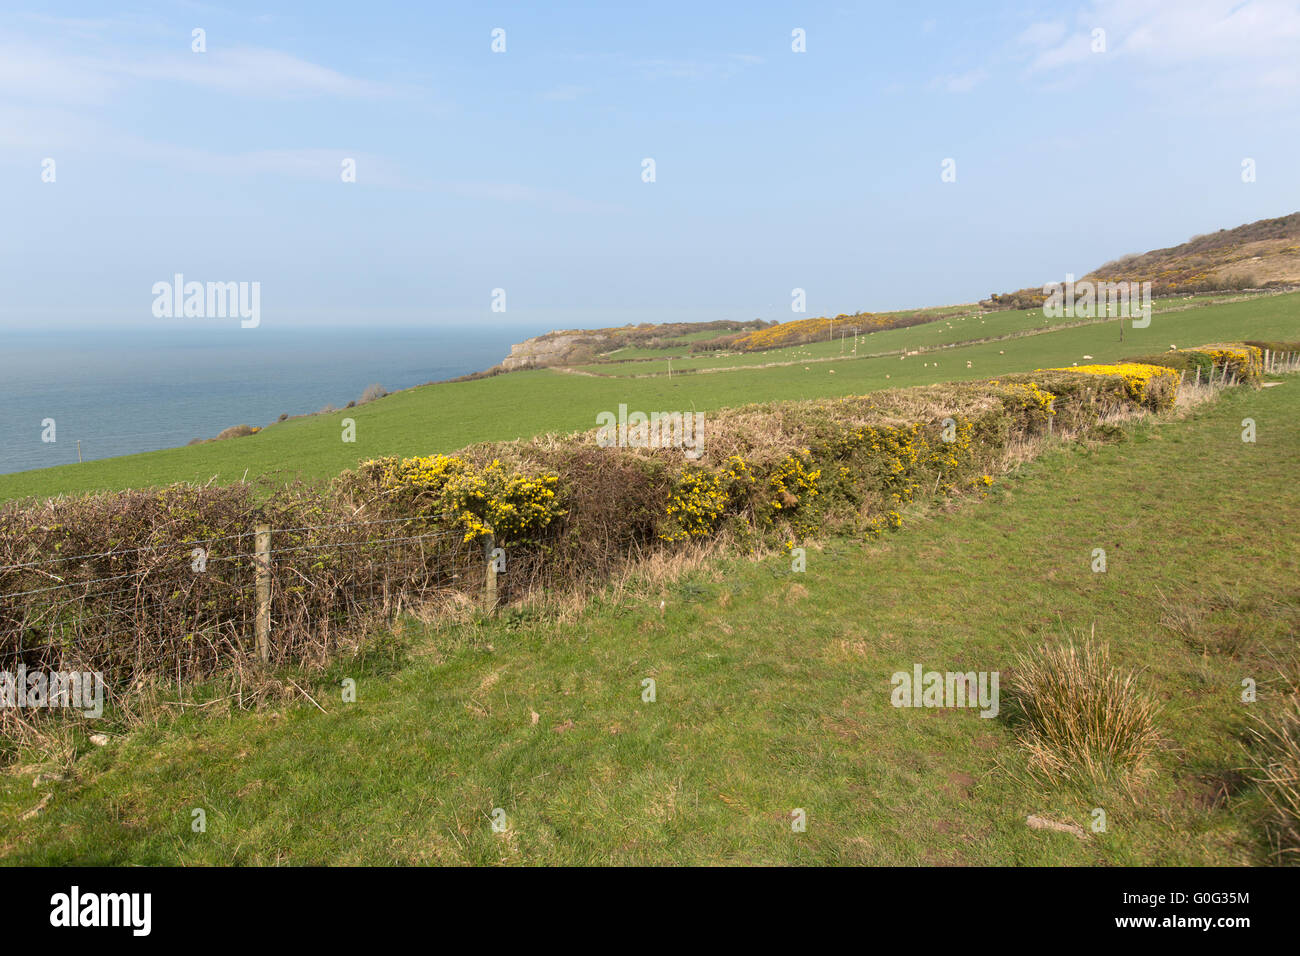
(1250, 256)
(1257, 255)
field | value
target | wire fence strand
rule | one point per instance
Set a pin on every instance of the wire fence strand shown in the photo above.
(180, 607)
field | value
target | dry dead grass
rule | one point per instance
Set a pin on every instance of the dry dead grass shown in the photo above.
(1277, 771)
(1269, 260)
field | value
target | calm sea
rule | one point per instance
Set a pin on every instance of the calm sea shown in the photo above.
(140, 390)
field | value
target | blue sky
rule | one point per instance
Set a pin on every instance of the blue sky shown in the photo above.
(522, 170)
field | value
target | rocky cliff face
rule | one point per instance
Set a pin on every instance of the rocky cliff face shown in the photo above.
(552, 349)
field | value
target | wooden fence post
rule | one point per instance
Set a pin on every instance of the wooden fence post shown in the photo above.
(490, 589)
(263, 564)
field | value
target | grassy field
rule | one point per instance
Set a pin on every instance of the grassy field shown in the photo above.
(441, 418)
(772, 694)
(679, 346)
(957, 327)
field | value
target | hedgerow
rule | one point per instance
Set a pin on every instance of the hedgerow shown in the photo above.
(1184, 360)
(1274, 346)
(111, 581)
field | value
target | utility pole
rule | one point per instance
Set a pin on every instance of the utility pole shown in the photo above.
(78, 451)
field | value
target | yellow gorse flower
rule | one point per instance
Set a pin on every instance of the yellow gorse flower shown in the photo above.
(1137, 377)
(453, 492)
(1244, 361)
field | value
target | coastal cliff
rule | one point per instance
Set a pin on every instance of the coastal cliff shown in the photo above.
(554, 348)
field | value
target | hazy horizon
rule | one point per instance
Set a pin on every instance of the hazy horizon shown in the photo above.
(793, 148)
(127, 390)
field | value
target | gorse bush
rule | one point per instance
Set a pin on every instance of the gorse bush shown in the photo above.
(1245, 362)
(695, 505)
(820, 329)
(793, 483)
(1080, 716)
(1022, 299)
(1153, 386)
(451, 492)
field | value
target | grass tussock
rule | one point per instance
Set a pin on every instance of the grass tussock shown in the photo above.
(1277, 768)
(1081, 717)
(1209, 624)
(1225, 622)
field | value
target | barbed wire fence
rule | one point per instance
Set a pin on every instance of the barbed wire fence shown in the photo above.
(189, 609)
